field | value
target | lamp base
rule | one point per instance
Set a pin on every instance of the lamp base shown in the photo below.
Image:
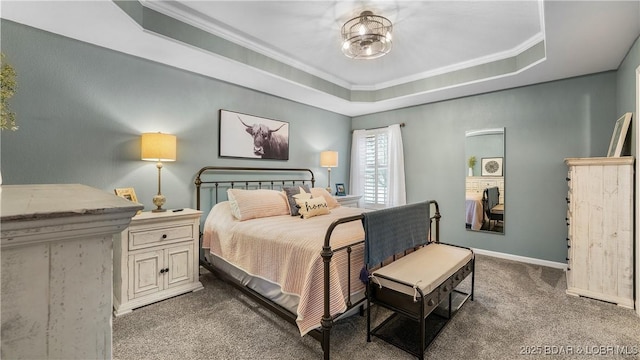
(329, 190)
(159, 200)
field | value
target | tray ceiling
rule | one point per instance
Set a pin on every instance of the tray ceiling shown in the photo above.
(441, 49)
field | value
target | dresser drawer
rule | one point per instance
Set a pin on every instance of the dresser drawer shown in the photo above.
(488, 183)
(166, 235)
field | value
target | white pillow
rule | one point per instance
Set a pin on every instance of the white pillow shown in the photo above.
(253, 204)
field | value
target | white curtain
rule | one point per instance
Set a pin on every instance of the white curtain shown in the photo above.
(356, 175)
(395, 167)
(397, 190)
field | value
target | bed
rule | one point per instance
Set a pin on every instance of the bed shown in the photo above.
(304, 269)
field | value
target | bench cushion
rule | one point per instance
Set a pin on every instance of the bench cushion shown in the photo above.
(426, 268)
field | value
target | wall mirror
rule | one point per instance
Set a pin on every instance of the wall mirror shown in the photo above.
(484, 185)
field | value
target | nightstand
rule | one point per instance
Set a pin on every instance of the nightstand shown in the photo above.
(155, 258)
(348, 200)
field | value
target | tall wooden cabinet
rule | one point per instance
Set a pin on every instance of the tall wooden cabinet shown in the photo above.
(600, 229)
(56, 270)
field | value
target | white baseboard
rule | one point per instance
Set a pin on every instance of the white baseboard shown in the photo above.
(523, 259)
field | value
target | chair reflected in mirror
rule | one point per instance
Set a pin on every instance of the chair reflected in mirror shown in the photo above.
(493, 209)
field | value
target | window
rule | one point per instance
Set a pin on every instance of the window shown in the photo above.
(376, 163)
(377, 167)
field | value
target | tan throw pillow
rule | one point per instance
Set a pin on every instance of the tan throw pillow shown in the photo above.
(312, 207)
(253, 204)
(331, 201)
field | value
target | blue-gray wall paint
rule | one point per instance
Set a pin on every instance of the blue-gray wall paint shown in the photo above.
(81, 110)
(544, 124)
(626, 95)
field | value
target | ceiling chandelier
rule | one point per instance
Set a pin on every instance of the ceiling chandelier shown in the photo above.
(367, 36)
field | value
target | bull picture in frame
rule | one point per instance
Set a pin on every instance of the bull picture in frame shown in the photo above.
(252, 137)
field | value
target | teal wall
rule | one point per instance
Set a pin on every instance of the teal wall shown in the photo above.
(81, 110)
(626, 96)
(544, 124)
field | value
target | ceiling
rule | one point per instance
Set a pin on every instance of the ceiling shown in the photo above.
(291, 49)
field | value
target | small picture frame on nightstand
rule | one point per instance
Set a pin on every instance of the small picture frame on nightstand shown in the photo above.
(127, 193)
(340, 191)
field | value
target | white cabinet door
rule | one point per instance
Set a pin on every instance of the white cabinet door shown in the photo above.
(180, 265)
(144, 271)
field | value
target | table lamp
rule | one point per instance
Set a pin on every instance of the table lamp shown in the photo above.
(158, 147)
(329, 159)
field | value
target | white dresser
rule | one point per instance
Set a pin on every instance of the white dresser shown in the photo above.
(477, 184)
(155, 258)
(56, 270)
(600, 229)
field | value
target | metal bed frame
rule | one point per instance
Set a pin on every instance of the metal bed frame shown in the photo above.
(323, 334)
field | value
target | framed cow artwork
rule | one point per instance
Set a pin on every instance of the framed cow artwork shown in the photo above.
(253, 137)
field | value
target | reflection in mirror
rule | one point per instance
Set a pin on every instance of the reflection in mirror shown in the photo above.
(484, 185)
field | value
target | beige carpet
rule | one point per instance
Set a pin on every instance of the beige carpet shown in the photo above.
(520, 311)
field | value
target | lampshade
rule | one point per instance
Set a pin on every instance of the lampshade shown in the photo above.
(158, 147)
(329, 159)
(367, 36)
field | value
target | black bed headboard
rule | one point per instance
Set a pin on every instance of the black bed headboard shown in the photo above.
(246, 177)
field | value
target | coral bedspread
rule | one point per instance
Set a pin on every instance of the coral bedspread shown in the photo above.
(286, 250)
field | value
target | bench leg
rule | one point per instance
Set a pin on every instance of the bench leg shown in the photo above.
(473, 276)
(368, 319)
(422, 330)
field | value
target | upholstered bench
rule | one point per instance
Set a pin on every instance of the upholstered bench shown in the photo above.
(413, 286)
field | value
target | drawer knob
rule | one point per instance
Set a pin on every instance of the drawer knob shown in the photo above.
(430, 302)
(445, 288)
(164, 236)
(161, 271)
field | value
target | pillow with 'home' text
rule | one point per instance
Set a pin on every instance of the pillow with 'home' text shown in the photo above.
(312, 207)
